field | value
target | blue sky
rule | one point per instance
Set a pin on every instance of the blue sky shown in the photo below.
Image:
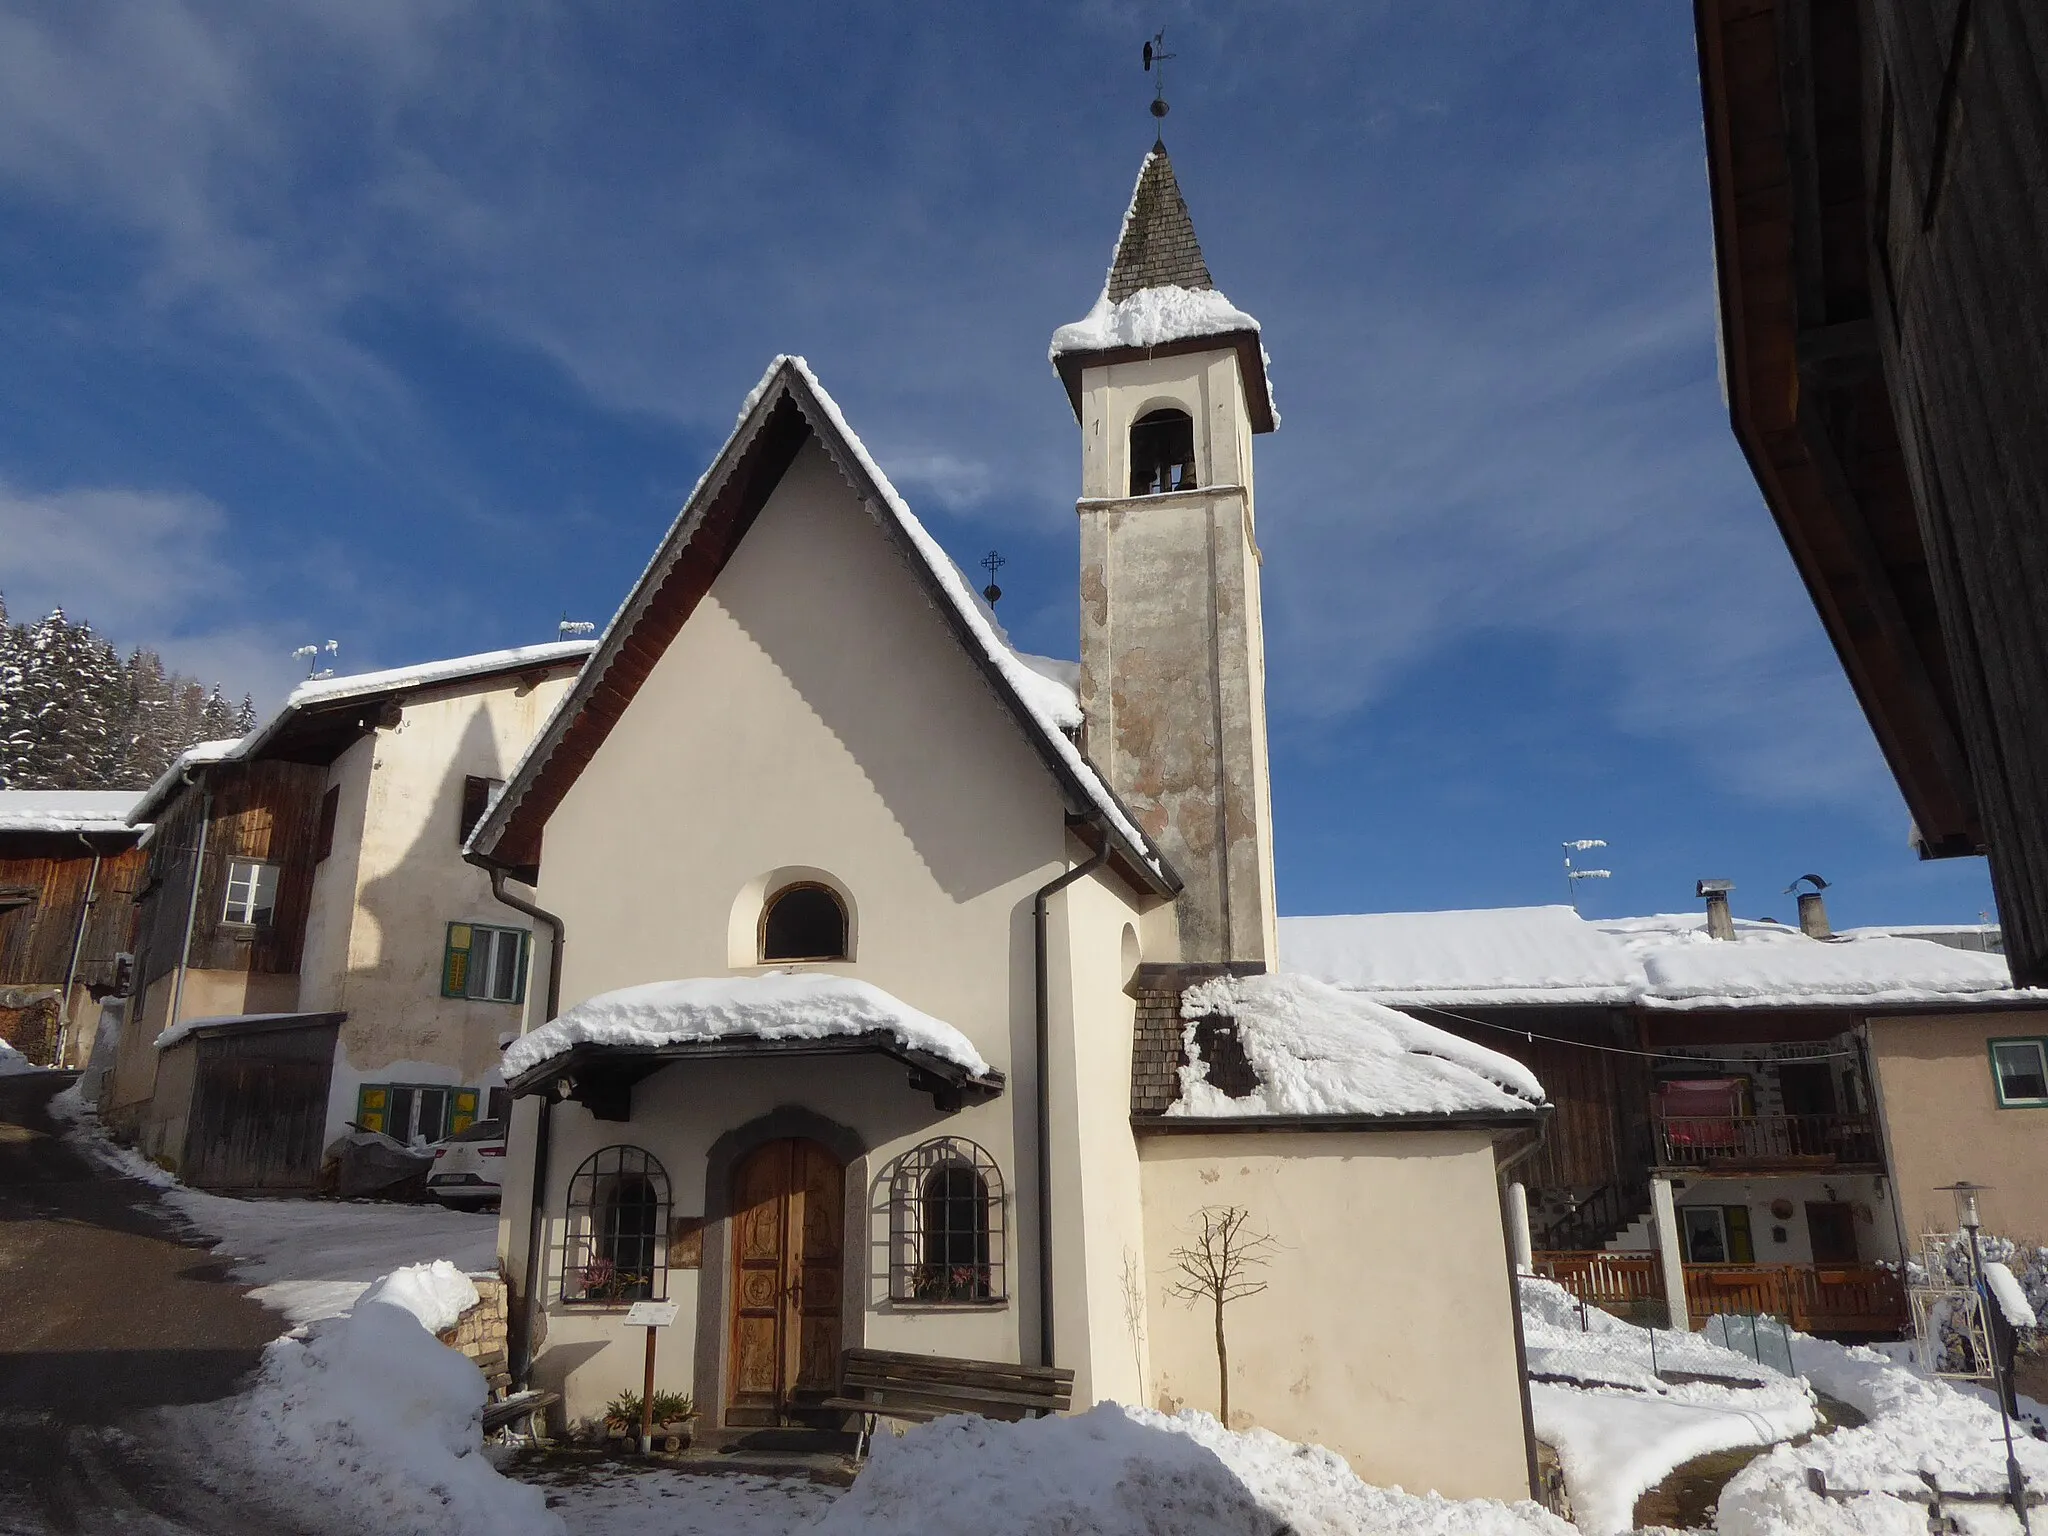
(409, 324)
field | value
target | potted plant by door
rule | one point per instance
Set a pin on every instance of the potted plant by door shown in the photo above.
(673, 1412)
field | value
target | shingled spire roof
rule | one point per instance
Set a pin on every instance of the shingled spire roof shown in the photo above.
(1157, 248)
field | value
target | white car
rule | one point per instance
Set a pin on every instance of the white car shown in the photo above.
(469, 1167)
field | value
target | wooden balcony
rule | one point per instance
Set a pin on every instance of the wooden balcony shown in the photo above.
(1766, 1143)
(1814, 1298)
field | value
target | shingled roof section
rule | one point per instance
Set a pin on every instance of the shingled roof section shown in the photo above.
(1158, 248)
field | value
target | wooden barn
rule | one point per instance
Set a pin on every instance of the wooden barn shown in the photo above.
(69, 869)
(1879, 176)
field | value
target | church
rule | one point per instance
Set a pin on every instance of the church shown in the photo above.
(906, 991)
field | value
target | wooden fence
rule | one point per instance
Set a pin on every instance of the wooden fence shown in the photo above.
(1852, 1298)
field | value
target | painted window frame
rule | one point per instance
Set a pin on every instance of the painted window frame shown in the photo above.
(2040, 1045)
(460, 970)
(374, 1104)
(252, 916)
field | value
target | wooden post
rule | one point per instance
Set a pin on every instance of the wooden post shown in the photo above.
(647, 1401)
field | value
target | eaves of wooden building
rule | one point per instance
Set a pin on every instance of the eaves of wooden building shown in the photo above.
(66, 916)
(1879, 177)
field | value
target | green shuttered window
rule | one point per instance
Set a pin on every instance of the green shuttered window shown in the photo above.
(485, 964)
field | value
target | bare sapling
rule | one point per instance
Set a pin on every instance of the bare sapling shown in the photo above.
(1216, 1267)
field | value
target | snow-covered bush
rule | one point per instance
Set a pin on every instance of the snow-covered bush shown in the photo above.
(1951, 1266)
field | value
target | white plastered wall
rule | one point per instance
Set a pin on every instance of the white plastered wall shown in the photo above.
(814, 713)
(1876, 1231)
(382, 901)
(1386, 1331)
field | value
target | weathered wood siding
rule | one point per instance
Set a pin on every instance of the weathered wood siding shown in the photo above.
(1955, 120)
(259, 1107)
(267, 811)
(36, 939)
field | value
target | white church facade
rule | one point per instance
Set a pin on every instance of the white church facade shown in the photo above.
(908, 992)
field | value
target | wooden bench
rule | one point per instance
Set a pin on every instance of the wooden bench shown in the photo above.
(887, 1384)
(520, 1407)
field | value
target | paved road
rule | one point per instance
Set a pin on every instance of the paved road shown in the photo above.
(105, 1314)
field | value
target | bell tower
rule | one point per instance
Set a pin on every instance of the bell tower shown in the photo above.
(1168, 381)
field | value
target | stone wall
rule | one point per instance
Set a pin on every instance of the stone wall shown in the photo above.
(481, 1332)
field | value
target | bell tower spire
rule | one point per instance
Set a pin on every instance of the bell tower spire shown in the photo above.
(1168, 381)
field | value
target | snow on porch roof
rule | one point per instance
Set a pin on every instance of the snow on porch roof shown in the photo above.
(780, 1006)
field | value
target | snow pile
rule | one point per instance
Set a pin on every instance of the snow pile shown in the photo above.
(12, 1061)
(1117, 1471)
(1505, 955)
(1055, 691)
(1321, 1051)
(2012, 1301)
(1618, 1427)
(66, 810)
(1923, 1436)
(375, 1421)
(1150, 318)
(781, 1005)
(1690, 969)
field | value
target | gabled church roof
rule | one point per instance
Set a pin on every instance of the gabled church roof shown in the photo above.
(1157, 248)
(786, 409)
(1159, 299)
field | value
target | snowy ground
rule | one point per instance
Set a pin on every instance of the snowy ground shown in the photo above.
(309, 1259)
(1619, 1427)
(663, 1503)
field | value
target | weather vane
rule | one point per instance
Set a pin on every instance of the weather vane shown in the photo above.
(1155, 53)
(992, 562)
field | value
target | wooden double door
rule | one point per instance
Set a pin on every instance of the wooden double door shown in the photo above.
(788, 1258)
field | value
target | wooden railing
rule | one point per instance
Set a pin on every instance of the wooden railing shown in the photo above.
(1824, 1298)
(1763, 1141)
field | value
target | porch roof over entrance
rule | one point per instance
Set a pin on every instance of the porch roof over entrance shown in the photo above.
(603, 1046)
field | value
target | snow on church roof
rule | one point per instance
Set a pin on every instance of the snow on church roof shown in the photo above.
(1550, 955)
(781, 1005)
(1321, 1051)
(1158, 288)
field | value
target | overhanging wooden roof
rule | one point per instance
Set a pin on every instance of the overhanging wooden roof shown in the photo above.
(1782, 94)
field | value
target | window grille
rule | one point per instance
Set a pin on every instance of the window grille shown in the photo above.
(946, 1211)
(616, 1248)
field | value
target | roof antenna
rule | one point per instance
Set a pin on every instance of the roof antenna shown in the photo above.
(992, 562)
(1155, 53)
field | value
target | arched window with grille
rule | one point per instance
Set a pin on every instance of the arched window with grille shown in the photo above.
(946, 1215)
(1162, 453)
(805, 921)
(616, 1247)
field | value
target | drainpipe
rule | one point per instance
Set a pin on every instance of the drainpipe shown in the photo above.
(1043, 1035)
(92, 885)
(191, 901)
(536, 1203)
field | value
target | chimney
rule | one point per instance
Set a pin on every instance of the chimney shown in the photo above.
(1719, 924)
(1813, 908)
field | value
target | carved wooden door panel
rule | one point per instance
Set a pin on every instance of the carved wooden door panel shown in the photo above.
(787, 1241)
(818, 1223)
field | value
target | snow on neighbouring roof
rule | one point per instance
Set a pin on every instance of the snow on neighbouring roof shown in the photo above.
(1319, 1050)
(426, 673)
(781, 1005)
(1502, 955)
(66, 810)
(1550, 955)
(196, 755)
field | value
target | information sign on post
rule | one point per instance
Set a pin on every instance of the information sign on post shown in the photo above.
(651, 1315)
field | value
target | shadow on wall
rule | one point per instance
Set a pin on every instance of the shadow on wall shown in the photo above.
(403, 1017)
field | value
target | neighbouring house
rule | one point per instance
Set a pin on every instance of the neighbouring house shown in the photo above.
(1875, 169)
(312, 950)
(914, 993)
(69, 866)
(1798, 1096)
